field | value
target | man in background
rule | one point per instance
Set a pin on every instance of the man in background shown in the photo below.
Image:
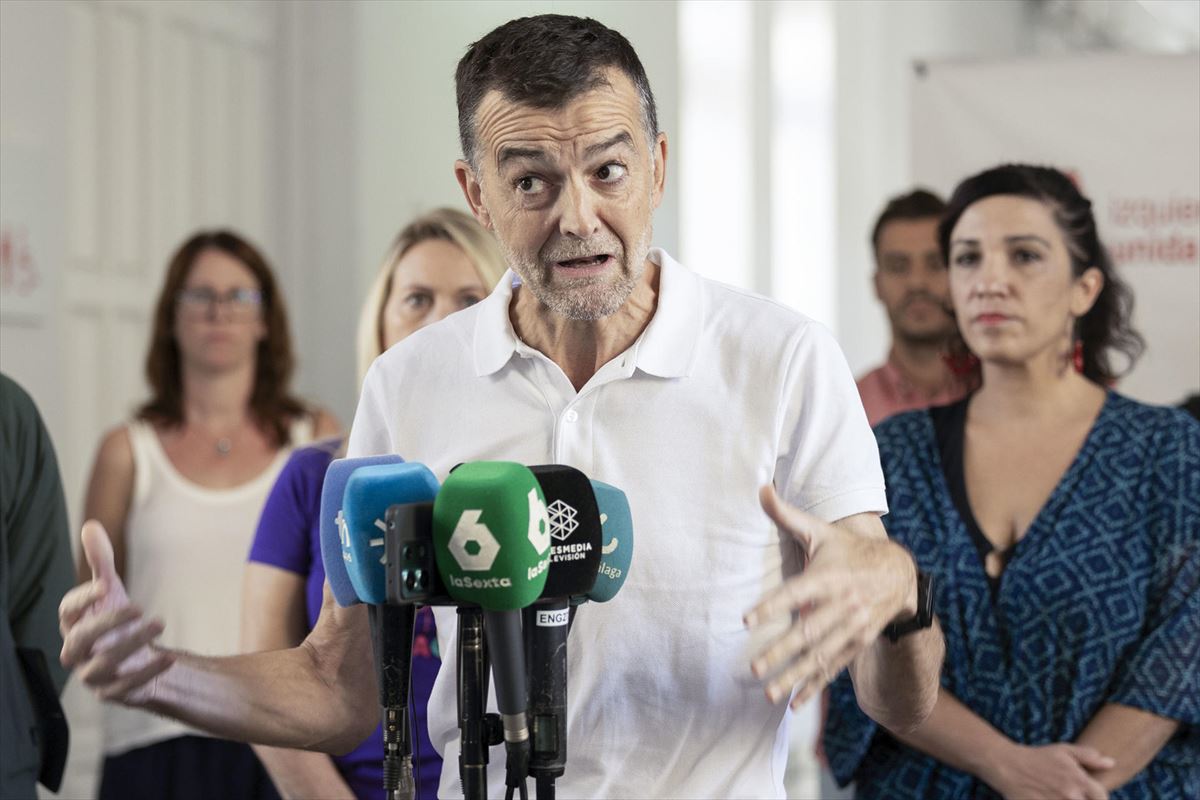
(36, 569)
(910, 281)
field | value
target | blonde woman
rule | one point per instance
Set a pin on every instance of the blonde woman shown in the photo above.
(440, 263)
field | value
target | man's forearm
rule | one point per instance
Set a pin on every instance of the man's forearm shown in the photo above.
(318, 696)
(897, 684)
(1131, 736)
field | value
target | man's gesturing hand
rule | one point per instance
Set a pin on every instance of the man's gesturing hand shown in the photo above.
(104, 637)
(853, 585)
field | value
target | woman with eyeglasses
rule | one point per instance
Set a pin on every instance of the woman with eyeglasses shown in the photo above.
(441, 262)
(180, 488)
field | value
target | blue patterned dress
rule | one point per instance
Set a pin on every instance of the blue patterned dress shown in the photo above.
(1099, 603)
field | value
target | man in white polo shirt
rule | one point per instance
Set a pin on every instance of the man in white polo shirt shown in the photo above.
(598, 352)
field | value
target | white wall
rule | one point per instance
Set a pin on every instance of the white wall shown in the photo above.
(124, 126)
(33, 120)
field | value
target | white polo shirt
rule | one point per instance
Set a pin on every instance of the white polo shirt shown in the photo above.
(723, 391)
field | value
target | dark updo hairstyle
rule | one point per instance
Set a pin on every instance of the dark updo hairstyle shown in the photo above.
(1106, 326)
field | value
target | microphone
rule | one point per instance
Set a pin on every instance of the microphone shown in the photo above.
(370, 491)
(492, 547)
(333, 537)
(574, 562)
(616, 552)
(412, 575)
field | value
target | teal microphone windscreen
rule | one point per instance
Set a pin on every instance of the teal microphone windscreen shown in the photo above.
(333, 523)
(616, 536)
(370, 491)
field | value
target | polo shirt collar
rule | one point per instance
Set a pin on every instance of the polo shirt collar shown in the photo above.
(495, 339)
(667, 348)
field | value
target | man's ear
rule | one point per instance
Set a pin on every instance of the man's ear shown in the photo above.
(660, 167)
(473, 191)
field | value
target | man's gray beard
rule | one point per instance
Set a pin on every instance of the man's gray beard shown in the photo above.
(586, 299)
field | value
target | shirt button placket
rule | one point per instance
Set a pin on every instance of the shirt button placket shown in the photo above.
(572, 438)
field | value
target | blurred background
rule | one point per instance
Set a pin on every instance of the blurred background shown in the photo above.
(319, 128)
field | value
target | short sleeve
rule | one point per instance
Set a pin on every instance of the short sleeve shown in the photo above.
(282, 537)
(370, 435)
(1160, 675)
(829, 463)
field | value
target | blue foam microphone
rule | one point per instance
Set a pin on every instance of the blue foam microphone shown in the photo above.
(369, 492)
(333, 534)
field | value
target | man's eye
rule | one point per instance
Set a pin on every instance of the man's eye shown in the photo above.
(611, 173)
(530, 185)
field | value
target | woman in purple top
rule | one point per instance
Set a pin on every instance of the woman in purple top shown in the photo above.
(440, 263)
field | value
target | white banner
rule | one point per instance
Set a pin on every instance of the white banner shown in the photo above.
(1127, 127)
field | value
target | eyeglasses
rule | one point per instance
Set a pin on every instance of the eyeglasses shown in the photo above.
(200, 301)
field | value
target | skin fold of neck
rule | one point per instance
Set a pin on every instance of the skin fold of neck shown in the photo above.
(582, 347)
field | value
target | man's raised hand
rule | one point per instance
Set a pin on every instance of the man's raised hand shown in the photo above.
(105, 639)
(854, 584)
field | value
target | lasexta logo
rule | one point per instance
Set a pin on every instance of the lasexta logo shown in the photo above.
(472, 544)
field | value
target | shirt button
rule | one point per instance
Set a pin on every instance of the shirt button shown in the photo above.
(572, 416)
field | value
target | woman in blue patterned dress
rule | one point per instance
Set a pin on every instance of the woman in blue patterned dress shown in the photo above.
(1061, 523)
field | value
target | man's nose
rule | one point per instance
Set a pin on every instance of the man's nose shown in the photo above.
(578, 212)
(920, 278)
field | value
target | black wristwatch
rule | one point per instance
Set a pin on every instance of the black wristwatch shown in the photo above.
(924, 616)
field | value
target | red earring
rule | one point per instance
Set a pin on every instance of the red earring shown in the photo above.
(1077, 356)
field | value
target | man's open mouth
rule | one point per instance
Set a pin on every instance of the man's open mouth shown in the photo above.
(586, 261)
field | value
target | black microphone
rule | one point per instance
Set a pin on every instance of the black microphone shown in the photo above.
(412, 573)
(575, 552)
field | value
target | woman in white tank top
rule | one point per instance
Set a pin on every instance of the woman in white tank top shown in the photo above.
(180, 489)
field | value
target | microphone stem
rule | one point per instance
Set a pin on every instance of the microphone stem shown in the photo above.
(394, 634)
(471, 682)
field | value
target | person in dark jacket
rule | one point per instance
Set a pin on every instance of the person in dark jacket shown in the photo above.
(35, 570)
